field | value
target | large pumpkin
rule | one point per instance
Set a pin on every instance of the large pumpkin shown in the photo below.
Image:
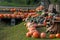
(43, 35)
(36, 35)
(52, 36)
(58, 35)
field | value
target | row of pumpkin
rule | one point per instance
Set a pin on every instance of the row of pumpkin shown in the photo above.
(18, 15)
(19, 9)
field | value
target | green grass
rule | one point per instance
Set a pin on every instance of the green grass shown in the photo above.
(16, 33)
(14, 4)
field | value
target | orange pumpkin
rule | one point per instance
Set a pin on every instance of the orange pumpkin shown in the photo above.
(28, 34)
(52, 36)
(5, 15)
(1, 15)
(17, 16)
(36, 35)
(22, 16)
(58, 35)
(15, 13)
(12, 9)
(13, 16)
(43, 35)
(9, 15)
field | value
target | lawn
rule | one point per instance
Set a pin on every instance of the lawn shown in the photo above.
(16, 32)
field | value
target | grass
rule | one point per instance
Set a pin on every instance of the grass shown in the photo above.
(14, 4)
(16, 33)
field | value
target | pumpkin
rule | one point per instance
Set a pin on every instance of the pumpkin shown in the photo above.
(15, 13)
(12, 9)
(5, 15)
(1, 15)
(43, 35)
(36, 34)
(52, 36)
(17, 16)
(22, 16)
(13, 16)
(28, 34)
(58, 35)
(9, 15)
(32, 31)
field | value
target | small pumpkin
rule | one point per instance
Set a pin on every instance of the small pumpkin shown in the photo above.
(13, 16)
(5, 15)
(58, 35)
(52, 36)
(1, 15)
(36, 35)
(28, 34)
(43, 35)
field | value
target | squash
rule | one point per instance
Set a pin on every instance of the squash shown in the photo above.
(1, 16)
(58, 35)
(52, 36)
(43, 35)
(36, 34)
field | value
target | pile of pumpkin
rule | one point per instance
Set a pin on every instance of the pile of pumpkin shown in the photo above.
(33, 32)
